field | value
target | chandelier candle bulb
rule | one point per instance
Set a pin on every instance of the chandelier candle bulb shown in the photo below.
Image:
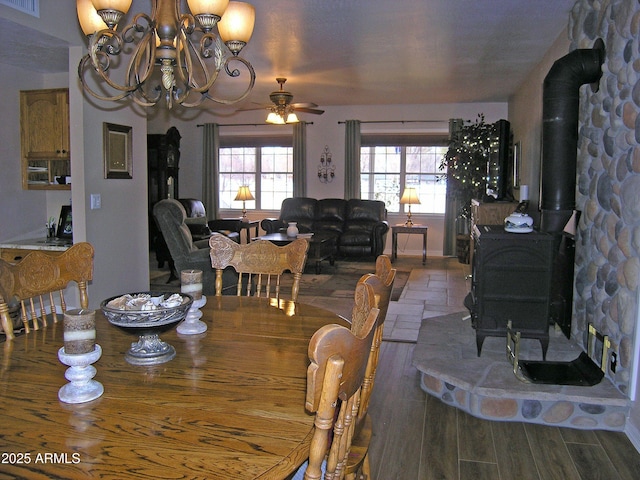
(191, 283)
(79, 331)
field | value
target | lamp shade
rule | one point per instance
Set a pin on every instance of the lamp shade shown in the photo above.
(244, 193)
(118, 5)
(274, 118)
(88, 17)
(292, 118)
(410, 196)
(208, 7)
(237, 22)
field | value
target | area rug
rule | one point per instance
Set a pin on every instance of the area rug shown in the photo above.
(335, 281)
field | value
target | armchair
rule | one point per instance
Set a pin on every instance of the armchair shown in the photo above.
(200, 228)
(171, 216)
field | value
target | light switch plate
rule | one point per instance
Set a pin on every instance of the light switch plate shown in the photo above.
(96, 201)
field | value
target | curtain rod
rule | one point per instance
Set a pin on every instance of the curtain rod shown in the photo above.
(249, 124)
(402, 121)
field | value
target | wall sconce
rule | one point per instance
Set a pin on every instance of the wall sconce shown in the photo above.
(244, 194)
(326, 170)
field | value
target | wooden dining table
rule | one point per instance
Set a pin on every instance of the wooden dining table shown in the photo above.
(230, 405)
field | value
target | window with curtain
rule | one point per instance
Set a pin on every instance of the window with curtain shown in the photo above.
(388, 164)
(264, 164)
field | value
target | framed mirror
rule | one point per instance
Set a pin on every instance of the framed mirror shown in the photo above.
(117, 151)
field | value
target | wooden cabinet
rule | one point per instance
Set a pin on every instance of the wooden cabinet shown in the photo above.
(44, 133)
(492, 213)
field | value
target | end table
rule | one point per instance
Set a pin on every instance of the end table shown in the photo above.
(402, 228)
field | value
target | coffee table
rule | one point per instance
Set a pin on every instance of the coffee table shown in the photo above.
(321, 247)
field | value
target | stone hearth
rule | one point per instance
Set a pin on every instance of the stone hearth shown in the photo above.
(486, 387)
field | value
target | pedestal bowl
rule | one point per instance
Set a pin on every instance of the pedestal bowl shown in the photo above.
(147, 314)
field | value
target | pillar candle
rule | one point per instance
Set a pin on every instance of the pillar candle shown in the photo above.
(524, 192)
(79, 331)
(191, 283)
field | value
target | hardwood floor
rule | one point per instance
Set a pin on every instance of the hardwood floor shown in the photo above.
(418, 437)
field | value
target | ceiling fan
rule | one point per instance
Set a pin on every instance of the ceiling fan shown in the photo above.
(282, 110)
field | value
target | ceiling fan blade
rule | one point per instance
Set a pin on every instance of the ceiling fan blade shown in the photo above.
(304, 105)
(315, 111)
(257, 107)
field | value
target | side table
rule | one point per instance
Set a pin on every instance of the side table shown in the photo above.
(418, 229)
(247, 225)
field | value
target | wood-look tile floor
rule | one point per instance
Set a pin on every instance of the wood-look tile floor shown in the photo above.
(418, 437)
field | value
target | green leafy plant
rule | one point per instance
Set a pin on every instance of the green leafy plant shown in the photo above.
(466, 162)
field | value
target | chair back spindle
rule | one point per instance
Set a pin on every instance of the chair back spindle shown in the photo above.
(260, 264)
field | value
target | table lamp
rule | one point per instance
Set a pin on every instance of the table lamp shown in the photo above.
(409, 197)
(244, 194)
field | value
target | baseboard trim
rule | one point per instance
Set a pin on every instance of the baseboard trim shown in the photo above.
(633, 434)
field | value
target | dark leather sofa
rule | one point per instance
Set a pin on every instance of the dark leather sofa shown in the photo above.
(359, 226)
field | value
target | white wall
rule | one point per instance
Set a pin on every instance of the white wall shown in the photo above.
(119, 230)
(326, 130)
(525, 115)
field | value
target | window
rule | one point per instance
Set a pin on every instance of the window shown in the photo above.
(266, 167)
(388, 165)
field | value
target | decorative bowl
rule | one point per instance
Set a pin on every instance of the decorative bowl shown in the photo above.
(148, 324)
(147, 318)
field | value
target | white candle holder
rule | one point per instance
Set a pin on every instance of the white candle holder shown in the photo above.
(82, 388)
(192, 325)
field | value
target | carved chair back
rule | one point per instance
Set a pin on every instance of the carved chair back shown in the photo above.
(260, 264)
(381, 283)
(35, 283)
(338, 359)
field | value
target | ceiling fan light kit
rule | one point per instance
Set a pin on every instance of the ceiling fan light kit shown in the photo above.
(282, 111)
(183, 45)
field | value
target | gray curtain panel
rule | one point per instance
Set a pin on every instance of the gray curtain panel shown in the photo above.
(210, 170)
(352, 159)
(299, 159)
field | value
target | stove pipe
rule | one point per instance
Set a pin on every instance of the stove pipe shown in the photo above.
(560, 107)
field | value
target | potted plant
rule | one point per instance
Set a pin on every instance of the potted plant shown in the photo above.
(466, 163)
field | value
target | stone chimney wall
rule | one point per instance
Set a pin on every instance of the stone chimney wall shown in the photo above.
(608, 184)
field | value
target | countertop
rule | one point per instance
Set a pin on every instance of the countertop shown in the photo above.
(55, 244)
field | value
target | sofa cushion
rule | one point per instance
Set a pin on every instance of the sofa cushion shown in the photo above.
(330, 215)
(301, 210)
(369, 210)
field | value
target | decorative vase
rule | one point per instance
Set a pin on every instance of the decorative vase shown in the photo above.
(292, 229)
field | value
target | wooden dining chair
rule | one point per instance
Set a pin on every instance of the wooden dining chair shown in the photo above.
(381, 283)
(260, 264)
(34, 284)
(338, 359)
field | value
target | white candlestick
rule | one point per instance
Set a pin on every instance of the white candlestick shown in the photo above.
(524, 192)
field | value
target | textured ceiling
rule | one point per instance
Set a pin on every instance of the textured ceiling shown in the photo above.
(367, 52)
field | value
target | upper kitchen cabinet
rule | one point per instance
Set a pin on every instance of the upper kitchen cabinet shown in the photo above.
(44, 130)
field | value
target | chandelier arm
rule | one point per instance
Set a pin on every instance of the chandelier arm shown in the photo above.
(83, 66)
(235, 73)
(144, 55)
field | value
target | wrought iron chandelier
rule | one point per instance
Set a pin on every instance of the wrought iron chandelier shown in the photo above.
(184, 46)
